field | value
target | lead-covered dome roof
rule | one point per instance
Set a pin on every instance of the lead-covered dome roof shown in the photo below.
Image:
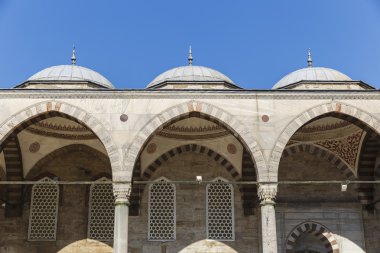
(71, 73)
(192, 77)
(67, 76)
(190, 74)
(311, 74)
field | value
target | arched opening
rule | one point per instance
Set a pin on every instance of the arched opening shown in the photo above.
(61, 147)
(311, 237)
(331, 146)
(190, 145)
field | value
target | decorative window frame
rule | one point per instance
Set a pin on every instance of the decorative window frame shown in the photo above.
(167, 181)
(33, 203)
(90, 210)
(232, 211)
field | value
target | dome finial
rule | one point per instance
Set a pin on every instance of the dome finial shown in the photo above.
(309, 60)
(190, 57)
(73, 57)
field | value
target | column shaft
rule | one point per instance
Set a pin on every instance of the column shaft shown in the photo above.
(267, 194)
(268, 229)
(121, 228)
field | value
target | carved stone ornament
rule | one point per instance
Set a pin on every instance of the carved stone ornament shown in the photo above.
(267, 193)
(122, 193)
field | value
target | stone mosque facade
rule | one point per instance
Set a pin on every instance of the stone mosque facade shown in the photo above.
(191, 164)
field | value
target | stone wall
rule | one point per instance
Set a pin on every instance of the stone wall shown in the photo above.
(73, 208)
(339, 211)
(191, 212)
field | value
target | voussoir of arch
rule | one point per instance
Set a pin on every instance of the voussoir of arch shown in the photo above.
(15, 121)
(322, 153)
(175, 112)
(316, 229)
(313, 113)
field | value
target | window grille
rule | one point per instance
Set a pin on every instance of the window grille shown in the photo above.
(220, 211)
(162, 215)
(101, 212)
(43, 211)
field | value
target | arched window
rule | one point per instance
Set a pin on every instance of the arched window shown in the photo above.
(101, 211)
(43, 211)
(162, 214)
(220, 211)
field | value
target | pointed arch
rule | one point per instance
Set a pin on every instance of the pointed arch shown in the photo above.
(201, 110)
(321, 232)
(338, 109)
(323, 154)
(35, 170)
(34, 113)
(199, 149)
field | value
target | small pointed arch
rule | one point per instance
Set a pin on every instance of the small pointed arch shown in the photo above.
(43, 217)
(100, 224)
(220, 213)
(47, 109)
(319, 231)
(200, 110)
(162, 211)
(364, 120)
(322, 153)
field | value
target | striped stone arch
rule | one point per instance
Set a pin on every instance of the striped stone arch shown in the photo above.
(201, 110)
(47, 109)
(190, 148)
(137, 191)
(321, 153)
(315, 229)
(348, 112)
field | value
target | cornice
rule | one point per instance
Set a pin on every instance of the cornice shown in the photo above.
(190, 94)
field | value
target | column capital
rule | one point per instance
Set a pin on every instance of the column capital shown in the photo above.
(267, 193)
(122, 193)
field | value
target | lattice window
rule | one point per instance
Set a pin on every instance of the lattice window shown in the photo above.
(43, 211)
(162, 215)
(220, 211)
(101, 212)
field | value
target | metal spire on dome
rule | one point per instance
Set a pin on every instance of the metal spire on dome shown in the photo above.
(190, 57)
(309, 60)
(73, 57)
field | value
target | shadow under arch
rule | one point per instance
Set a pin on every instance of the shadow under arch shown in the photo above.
(65, 150)
(316, 229)
(340, 110)
(321, 153)
(200, 110)
(47, 109)
(137, 191)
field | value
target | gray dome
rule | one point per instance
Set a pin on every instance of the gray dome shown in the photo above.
(71, 73)
(311, 74)
(190, 74)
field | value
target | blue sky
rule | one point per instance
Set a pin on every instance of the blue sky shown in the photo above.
(255, 43)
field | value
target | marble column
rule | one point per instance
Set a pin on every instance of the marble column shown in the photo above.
(267, 194)
(120, 241)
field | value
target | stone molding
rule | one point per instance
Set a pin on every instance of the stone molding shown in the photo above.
(175, 94)
(267, 193)
(312, 113)
(30, 112)
(179, 111)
